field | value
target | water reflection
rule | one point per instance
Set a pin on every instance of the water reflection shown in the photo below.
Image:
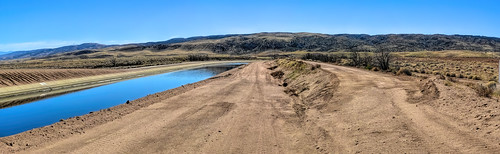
(43, 112)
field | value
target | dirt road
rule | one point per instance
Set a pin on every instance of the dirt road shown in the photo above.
(248, 112)
(373, 114)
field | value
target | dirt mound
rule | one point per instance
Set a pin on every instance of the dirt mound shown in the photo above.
(13, 77)
(430, 89)
(427, 91)
(310, 86)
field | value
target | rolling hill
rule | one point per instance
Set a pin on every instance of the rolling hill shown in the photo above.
(255, 43)
(238, 44)
(4, 52)
(39, 53)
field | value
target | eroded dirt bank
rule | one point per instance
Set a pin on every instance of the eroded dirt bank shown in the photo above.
(13, 77)
(306, 108)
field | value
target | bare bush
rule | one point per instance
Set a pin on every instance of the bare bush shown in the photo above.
(366, 61)
(278, 74)
(383, 59)
(198, 57)
(321, 57)
(355, 58)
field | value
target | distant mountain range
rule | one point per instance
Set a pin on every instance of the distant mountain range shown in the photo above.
(38, 53)
(4, 52)
(260, 42)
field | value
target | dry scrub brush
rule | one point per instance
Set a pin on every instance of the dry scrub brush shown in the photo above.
(122, 62)
(464, 68)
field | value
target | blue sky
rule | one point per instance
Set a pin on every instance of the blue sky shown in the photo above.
(32, 24)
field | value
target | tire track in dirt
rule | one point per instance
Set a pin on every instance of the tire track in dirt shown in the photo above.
(231, 115)
(248, 112)
(376, 103)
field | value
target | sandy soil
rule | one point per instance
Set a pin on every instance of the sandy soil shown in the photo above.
(330, 110)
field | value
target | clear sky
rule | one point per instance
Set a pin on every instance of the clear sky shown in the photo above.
(31, 24)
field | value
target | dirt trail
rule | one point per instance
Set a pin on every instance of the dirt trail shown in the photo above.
(372, 114)
(231, 115)
(247, 112)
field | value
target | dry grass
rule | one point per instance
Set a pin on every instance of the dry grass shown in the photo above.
(484, 90)
(89, 63)
(448, 54)
(475, 69)
(480, 66)
(297, 67)
(111, 60)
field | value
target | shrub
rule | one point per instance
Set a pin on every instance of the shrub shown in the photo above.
(483, 91)
(320, 57)
(354, 57)
(441, 76)
(277, 74)
(369, 67)
(198, 57)
(314, 67)
(346, 62)
(366, 61)
(492, 85)
(404, 71)
(383, 59)
(475, 77)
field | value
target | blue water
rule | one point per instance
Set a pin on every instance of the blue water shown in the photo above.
(44, 112)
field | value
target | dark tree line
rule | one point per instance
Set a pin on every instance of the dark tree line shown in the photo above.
(198, 57)
(380, 59)
(255, 43)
